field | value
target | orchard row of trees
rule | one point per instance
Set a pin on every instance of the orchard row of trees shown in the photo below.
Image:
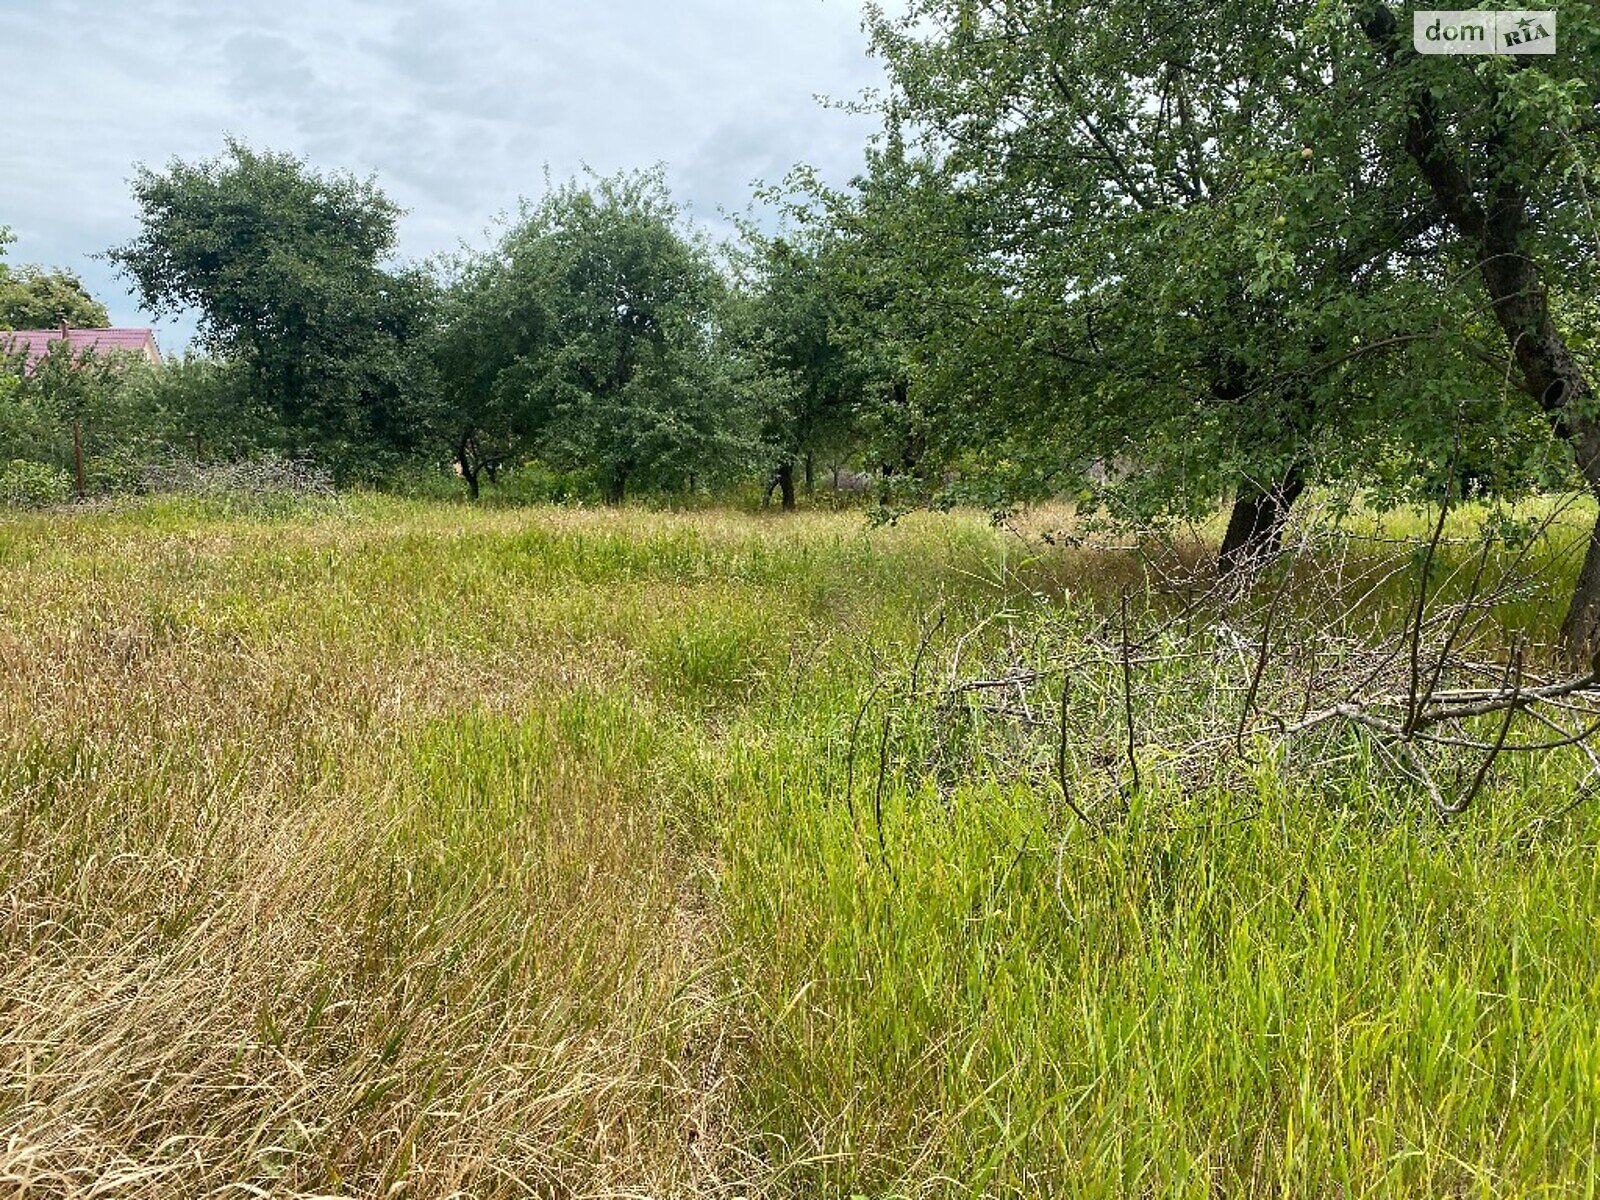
(1147, 255)
(600, 335)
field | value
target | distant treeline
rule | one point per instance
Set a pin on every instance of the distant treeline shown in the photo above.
(602, 345)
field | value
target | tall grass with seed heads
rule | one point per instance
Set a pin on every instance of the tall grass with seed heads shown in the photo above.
(389, 848)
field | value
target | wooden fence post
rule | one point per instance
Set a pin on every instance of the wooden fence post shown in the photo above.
(77, 454)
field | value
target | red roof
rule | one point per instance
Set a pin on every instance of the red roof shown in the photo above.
(95, 341)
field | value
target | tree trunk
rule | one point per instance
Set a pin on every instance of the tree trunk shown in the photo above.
(469, 475)
(1580, 630)
(811, 476)
(1255, 527)
(616, 486)
(785, 480)
(1495, 225)
(1552, 375)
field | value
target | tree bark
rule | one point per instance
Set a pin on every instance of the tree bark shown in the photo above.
(1580, 629)
(469, 473)
(786, 484)
(1495, 227)
(616, 486)
(782, 480)
(1255, 527)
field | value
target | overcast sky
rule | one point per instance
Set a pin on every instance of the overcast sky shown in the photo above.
(455, 105)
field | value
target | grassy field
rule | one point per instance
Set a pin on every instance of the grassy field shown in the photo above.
(396, 849)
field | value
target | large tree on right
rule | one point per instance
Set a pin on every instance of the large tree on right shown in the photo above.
(1255, 245)
(1508, 149)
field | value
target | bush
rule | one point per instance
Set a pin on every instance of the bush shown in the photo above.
(26, 484)
(261, 486)
(417, 481)
(537, 483)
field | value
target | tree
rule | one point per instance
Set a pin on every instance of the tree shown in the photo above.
(62, 398)
(1190, 269)
(33, 298)
(793, 321)
(593, 335)
(891, 260)
(485, 350)
(1508, 150)
(202, 407)
(286, 270)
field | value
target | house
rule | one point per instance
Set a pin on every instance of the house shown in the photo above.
(36, 343)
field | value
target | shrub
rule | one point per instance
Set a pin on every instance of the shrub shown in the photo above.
(260, 486)
(25, 484)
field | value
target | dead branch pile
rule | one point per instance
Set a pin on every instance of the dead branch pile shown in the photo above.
(1402, 666)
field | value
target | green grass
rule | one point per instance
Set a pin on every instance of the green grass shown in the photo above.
(390, 848)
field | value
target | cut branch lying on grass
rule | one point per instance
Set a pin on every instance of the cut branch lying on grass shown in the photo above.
(1369, 654)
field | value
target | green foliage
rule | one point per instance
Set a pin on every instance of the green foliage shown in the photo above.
(894, 260)
(39, 407)
(201, 407)
(491, 325)
(794, 317)
(25, 484)
(1182, 252)
(534, 482)
(33, 298)
(286, 270)
(132, 417)
(593, 335)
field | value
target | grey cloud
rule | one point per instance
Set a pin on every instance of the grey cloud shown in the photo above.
(457, 106)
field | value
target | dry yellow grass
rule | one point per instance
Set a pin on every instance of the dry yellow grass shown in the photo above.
(276, 920)
(387, 849)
